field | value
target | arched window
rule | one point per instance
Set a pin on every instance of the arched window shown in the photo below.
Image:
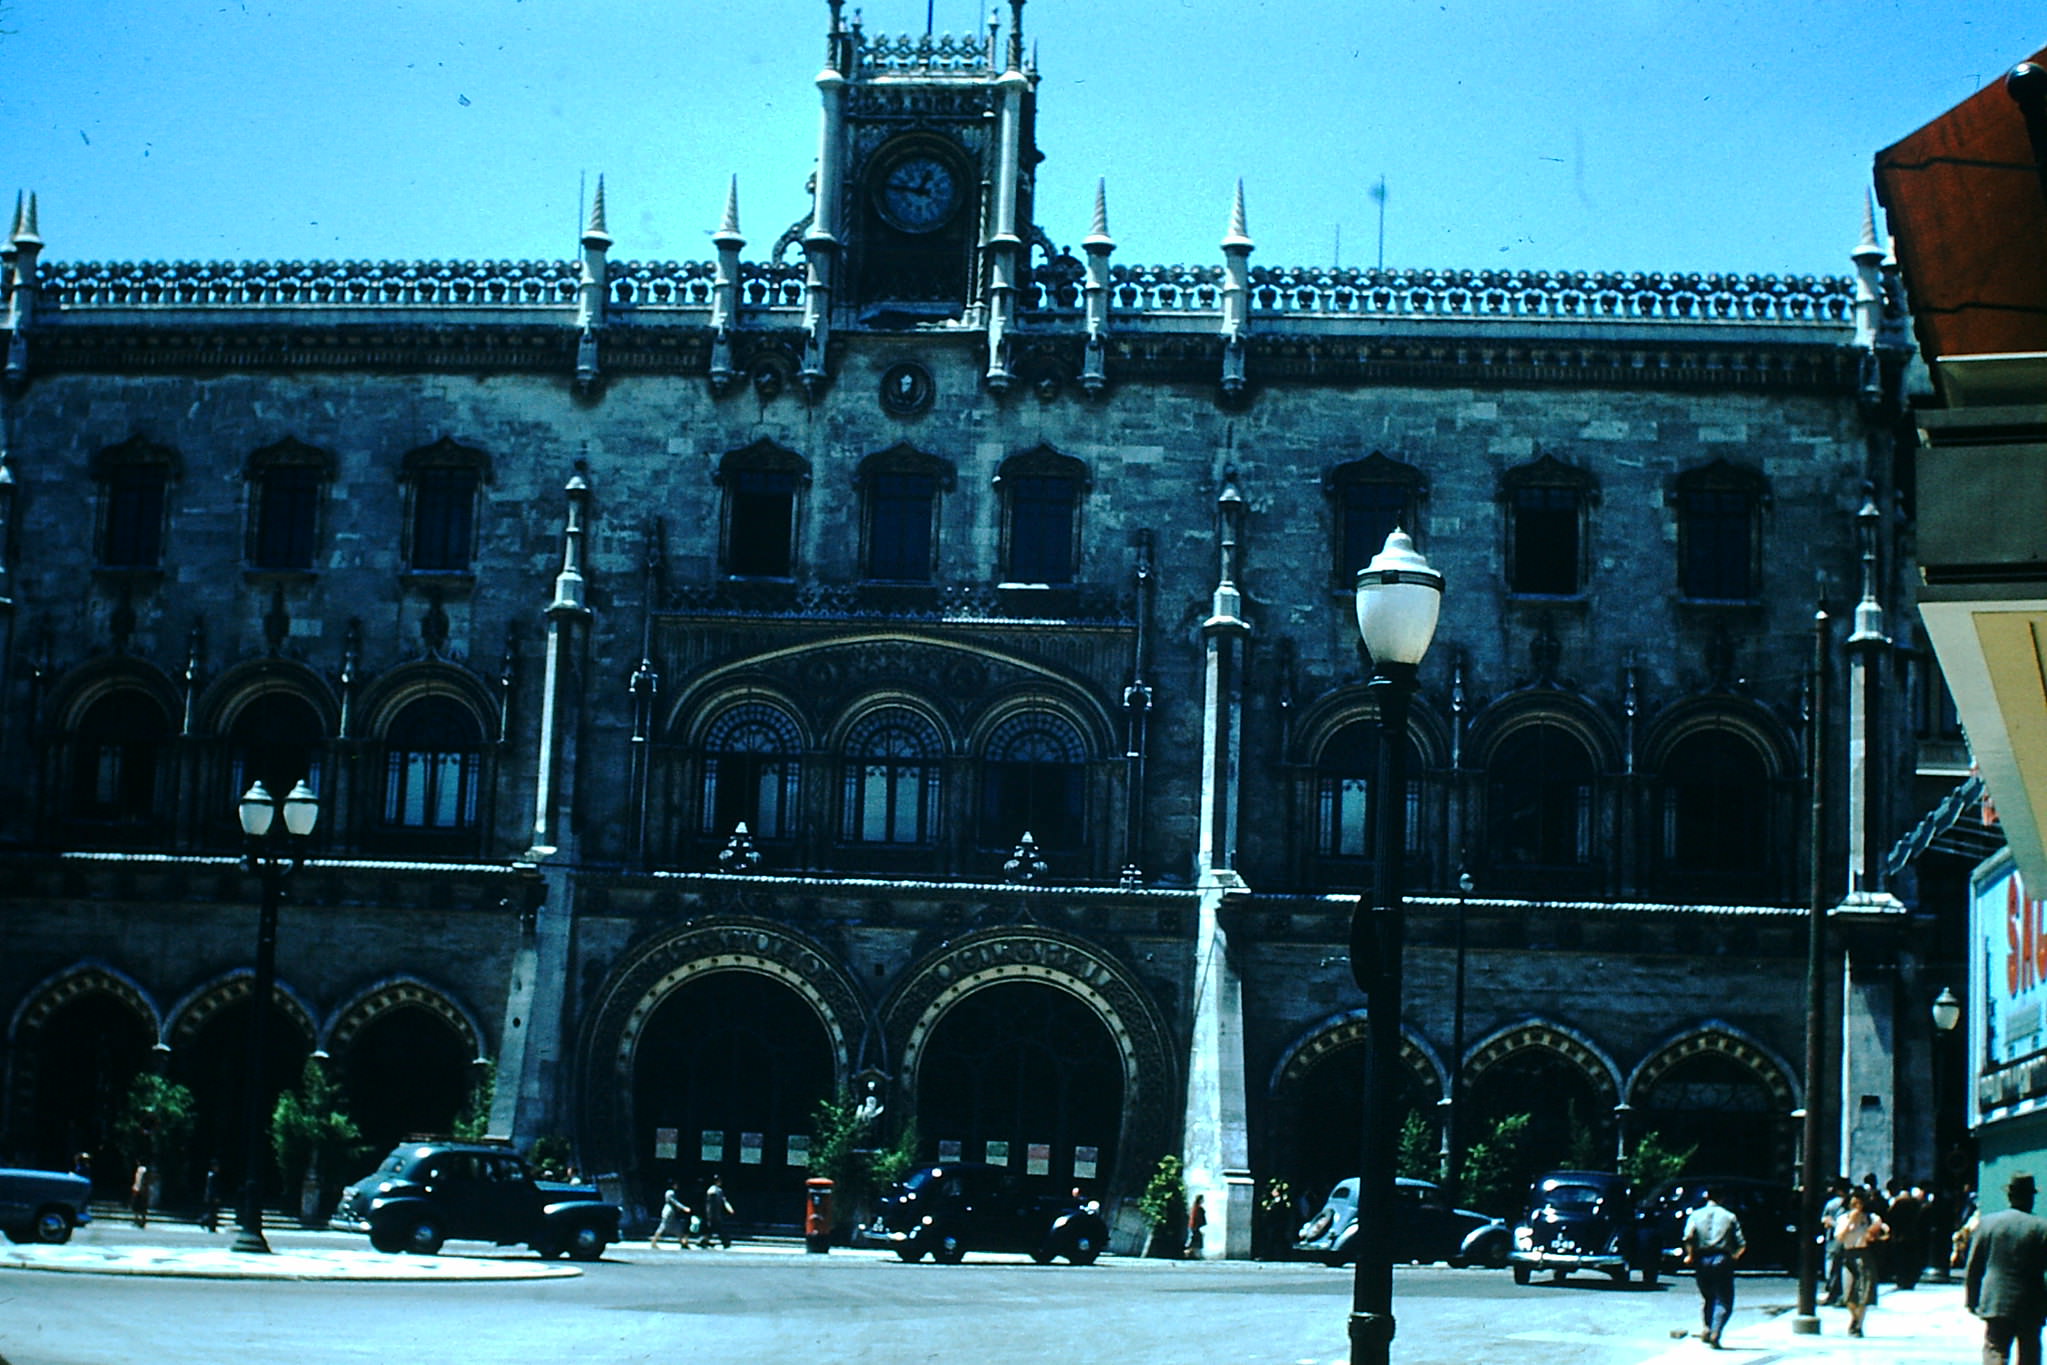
(1546, 506)
(761, 483)
(1716, 812)
(277, 740)
(286, 484)
(1031, 782)
(433, 765)
(119, 741)
(900, 489)
(1370, 498)
(1719, 533)
(750, 771)
(1344, 773)
(891, 779)
(441, 487)
(133, 478)
(1539, 811)
(1041, 493)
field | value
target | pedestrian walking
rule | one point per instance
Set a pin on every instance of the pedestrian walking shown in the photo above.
(1836, 1205)
(1907, 1218)
(1197, 1219)
(209, 1199)
(2006, 1282)
(675, 1216)
(138, 1194)
(1862, 1233)
(1712, 1244)
(716, 1210)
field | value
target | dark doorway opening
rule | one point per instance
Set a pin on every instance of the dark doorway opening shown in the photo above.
(86, 1055)
(214, 1062)
(407, 1071)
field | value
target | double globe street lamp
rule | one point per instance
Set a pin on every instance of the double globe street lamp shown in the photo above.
(274, 853)
(1398, 599)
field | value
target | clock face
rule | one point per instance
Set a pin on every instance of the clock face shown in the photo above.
(917, 194)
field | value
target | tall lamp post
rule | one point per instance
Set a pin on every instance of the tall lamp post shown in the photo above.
(1947, 1012)
(1398, 598)
(274, 851)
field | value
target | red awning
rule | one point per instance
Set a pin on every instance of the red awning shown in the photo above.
(1969, 216)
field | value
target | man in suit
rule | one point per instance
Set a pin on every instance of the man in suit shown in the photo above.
(2006, 1282)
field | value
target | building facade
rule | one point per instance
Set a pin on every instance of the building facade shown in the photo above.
(920, 661)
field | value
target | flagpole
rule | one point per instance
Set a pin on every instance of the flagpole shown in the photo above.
(1379, 194)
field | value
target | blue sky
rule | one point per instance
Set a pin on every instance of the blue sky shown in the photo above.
(1671, 135)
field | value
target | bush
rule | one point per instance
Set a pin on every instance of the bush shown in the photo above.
(155, 1122)
(1652, 1161)
(1164, 1201)
(1491, 1182)
(1419, 1155)
(311, 1132)
(474, 1120)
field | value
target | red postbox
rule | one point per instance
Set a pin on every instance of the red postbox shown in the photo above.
(817, 1214)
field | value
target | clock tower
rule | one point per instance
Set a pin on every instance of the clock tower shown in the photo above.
(922, 211)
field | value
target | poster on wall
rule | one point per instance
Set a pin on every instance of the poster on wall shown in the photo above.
(2007, 977)
(998, 1152)
(713, 1146)
(799, 1149)
(1038, 1158)
(948, 1149)
(665, 1141)
(1085, 1159)
(750, 1149)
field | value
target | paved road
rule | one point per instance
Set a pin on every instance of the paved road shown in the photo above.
(757, 1304)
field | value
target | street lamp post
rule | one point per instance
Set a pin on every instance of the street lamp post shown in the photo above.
(273, 855)
(1398, 598)
(1947, 1012)
(1453, 1126)
(1806, 1321)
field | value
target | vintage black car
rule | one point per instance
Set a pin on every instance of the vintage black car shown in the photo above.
(428, 1192)
(42, 1206)
(1768, 1213)
(1582, 1220)
(957, 1207)
(1425, 1228)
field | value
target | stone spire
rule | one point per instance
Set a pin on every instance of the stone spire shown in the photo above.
(1869, 293)
(1098, 244)
(592, 287)
(821, 242)
(725, 292)
(24, 244)
(1006, 247)
(1236, 298)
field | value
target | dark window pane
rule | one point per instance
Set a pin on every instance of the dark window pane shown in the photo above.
(433, 758)
(443, 515)
(1715, 807)
(276, 740)
(1031, 782)
(1370, 511)
(1040, 529)
(117, 748)
(1343, 789)
(763, 505)
(899, 527)
(750, 772)
(1539, 800)
(1719, 541)
(1545, 541)
(287, 504)
(133, 531)
(891, 781)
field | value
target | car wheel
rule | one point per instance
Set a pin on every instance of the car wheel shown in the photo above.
(1521, 1275)
(1083, 1251)
(547, 1248)
(910, 1253)
(948, 1249)
(1043, 1255)
(423, 1236)
(1496, 1255)
(53, 1226)
(586, 1244)
(1560, 1276)
(386, 1239)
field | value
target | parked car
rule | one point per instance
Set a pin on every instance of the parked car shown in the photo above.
(425, 1193)
(1768, 1213)
(957, 1207)
(42, 1206)
(1582, 1220)
(1425, 1228)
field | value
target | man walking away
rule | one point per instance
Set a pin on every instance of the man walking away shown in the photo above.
(209, 1199)
(1713, 1243)
(716, 1210)
(2006, 1282)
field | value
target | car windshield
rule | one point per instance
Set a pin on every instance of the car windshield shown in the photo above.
(1572, 1196)
(918, 1180)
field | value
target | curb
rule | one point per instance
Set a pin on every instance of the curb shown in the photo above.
(223, 1264)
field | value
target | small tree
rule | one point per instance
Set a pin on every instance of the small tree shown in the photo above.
(474, 1120)
(1491, 1168)
(890, 1164)
(1419, 1153)
(550, 1156)
(311, 1133)
(1585, 1152)
(1164, 1203)
(155, 1121)
(1652, 1160)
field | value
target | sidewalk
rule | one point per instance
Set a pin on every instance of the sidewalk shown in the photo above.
(1923, 1326)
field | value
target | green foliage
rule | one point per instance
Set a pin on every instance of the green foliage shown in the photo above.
(155, 1121)
(1419, 1154)
(311, 1132)
(1585, 1152)
(474, 1120)
(1165, 1197)
(890, 1164)
(551, 1154)
(1652, 1160)
(1491, 1177)
(835, 1129)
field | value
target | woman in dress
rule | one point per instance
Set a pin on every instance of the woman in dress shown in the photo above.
(1860, 1232)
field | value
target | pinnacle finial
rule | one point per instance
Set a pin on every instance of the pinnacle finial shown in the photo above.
(1239, 235)
(1098, 238)
(727, 234)
(595, 234)
(1016, 35)
(1867, 248)
(14, 229)
(27, 231)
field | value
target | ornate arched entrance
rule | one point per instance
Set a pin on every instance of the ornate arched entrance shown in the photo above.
(78, 1043)
(1721, 1095)
(209, 1040)
(1318, 1105)
(407, 1061)
(736, 1027)
(1057, 1022)
(1566, 1088)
